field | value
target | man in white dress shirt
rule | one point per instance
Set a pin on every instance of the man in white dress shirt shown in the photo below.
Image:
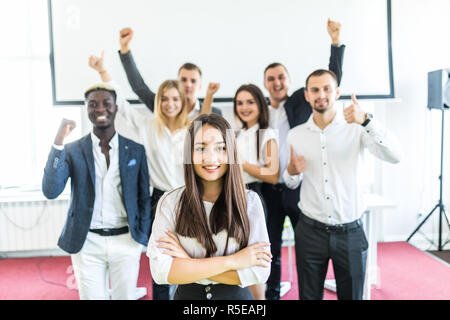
(324, 155)
(285, 112)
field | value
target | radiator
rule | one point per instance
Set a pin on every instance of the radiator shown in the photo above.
(31, 223)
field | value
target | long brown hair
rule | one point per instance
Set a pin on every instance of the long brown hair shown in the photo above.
(229, 212)
(260, 100)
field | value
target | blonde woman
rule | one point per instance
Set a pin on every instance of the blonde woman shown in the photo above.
(162, 134)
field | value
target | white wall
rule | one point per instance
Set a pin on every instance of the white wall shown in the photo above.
(420, 44)
(420, 41)
(420, 33)
(219, 36)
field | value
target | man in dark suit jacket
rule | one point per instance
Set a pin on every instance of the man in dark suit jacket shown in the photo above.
(108, 220)
(285, 112)
(189, 75)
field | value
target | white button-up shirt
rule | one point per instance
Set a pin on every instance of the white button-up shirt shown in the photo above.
(278, 121)
(165, 220)
(195, 112)
(247, 147)
(164, 155)
(109, 210)
(330, 191)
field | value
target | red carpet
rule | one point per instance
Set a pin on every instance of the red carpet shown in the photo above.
(406, 274)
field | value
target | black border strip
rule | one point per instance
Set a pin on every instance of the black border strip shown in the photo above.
(391, 94)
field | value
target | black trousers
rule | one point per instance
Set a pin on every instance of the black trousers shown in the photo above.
(315, 245)
(195, 291)
(257, 187)
(160, 291)
(281, 202)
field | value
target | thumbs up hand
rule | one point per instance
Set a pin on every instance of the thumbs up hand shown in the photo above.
(97, 63)
(354, 113)
(297, 164)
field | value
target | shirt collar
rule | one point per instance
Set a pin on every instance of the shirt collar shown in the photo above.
(197, 105)
(113, 143)
(195, 110)
(338, 119)
(253, 129)
(280, 107)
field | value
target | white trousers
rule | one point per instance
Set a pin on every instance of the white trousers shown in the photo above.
(116, 256)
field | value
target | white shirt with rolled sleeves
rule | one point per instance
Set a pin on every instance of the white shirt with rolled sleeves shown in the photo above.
(330, 191)
(165, 216)
(195, 112)
(278, 121)
(247, 148)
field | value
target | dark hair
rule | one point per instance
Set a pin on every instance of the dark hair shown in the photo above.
(94, 89)
(321, 72)
(274, 65)
(229, 212)
(190, 66)
(263, 119)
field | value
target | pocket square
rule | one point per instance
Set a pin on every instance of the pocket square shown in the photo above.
(132, 162)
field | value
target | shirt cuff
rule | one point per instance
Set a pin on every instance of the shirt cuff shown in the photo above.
(160, 264)
(292, 181)
(58, 147)
(247, 277)
(373, 129)
(124, 54)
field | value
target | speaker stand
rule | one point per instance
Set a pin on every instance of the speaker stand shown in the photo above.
(440, 204)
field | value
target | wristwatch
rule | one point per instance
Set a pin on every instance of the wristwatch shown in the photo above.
(369, 117)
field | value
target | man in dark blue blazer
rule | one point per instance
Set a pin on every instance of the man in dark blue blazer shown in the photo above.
(108, 220)
(285, 112)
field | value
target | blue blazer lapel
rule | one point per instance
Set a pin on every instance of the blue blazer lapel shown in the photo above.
(86, 146)
(123, 162)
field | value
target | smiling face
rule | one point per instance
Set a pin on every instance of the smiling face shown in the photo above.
(171, 103)
(246, 108)
(209, 155)
(192, 83)
(276, 81)
(322, 92)
(101, 108)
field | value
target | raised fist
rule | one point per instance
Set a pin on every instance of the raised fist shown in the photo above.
(125, 36)
(334, 30)
(213, 87)
(65, 128)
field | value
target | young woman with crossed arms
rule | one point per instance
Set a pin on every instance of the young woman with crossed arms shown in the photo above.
(210, 237)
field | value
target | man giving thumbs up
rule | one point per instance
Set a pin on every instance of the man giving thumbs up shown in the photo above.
(329, 226)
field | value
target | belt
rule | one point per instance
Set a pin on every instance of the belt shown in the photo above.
(105, 232)
(338, 228)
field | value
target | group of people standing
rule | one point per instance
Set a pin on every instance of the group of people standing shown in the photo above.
(213, 223)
